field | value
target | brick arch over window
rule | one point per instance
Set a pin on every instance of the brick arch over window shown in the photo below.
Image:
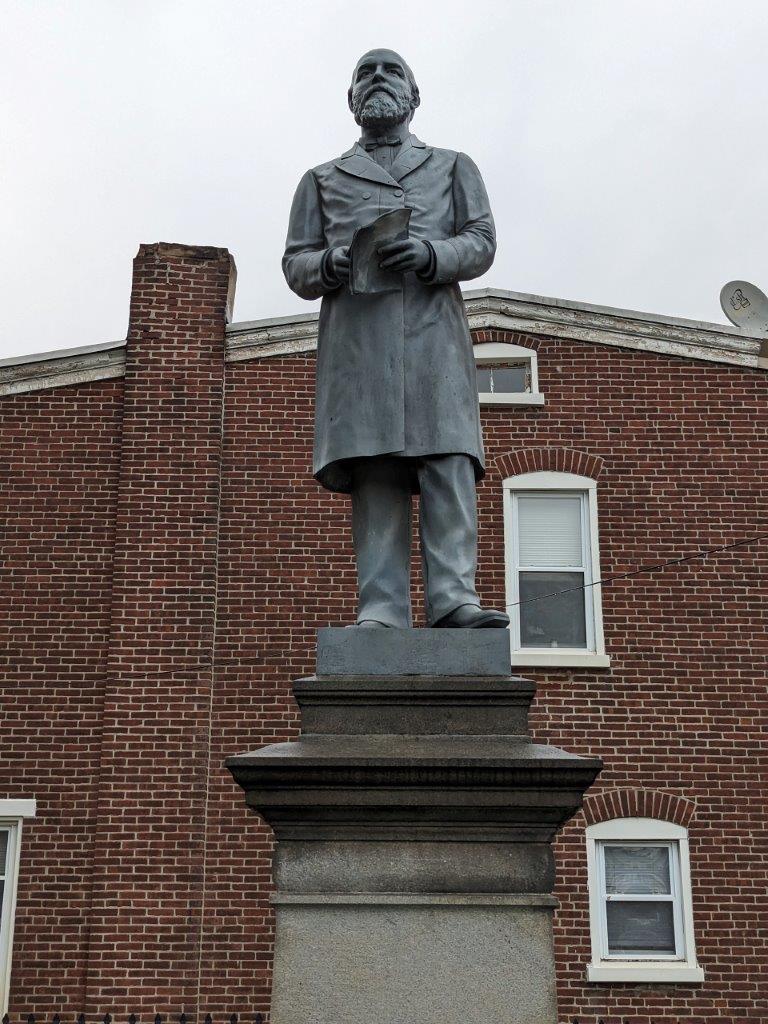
(638, 803)
(549, 459)
(479, 337)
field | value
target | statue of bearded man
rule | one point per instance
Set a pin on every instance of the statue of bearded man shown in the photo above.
(397, 410)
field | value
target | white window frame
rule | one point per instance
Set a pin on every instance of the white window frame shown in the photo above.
(570, 485)
(681, 966)
(514, 355)
(12, 815)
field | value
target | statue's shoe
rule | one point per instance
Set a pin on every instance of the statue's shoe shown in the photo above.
(472, 616)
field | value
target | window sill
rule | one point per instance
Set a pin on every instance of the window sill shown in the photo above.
(560, 659)
(511, 398)
(654, 972)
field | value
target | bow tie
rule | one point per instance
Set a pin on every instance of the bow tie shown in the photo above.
(383, 140)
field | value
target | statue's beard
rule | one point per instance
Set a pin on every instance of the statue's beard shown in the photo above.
(381, 109)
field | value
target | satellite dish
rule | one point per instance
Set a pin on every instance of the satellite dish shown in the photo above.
(746, 306)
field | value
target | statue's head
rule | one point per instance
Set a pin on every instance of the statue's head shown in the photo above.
(383, 90)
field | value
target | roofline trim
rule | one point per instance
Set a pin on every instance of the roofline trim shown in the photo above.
(67, 366)
(487, 309)
(494, 309)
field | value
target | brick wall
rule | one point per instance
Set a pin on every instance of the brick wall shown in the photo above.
(679, 449)
(60, 462)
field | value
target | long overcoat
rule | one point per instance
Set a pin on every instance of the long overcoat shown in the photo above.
(395, 371)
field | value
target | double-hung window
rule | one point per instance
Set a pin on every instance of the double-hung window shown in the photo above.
(553, 570)
(640, 902)
(640, 899)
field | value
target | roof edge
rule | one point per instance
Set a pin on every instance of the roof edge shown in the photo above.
(495, 308)
(487, 309)
(65, 366)
(613, 311)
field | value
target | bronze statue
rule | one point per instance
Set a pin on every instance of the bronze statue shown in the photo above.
(397, 410)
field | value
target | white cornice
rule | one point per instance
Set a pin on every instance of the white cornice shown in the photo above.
(66, 366)
(279, 336)
(487, 309)
(492, 308)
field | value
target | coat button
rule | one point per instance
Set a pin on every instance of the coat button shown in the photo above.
(366, 195)
(398, 192)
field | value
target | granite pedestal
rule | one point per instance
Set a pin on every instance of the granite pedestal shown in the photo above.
(414, 819)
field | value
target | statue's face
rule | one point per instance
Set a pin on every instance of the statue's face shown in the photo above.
(380, 94)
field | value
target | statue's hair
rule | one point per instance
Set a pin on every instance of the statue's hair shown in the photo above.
(415, 98)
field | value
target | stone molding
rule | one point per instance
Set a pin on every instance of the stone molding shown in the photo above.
(488, 310)
(621, 328)
(386, 783)
(56, 369)
(491, 309)
(416, 899)
(638, 803)
(355, 705)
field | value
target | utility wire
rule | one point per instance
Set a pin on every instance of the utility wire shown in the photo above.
(645, 568)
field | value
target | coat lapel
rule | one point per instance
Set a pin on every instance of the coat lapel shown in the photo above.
(356, 161)
(410, 158)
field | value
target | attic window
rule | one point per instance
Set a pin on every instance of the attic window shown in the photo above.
(507, 375)
(498, 378)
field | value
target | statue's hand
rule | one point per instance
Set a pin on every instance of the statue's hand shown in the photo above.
(401, 257)
(339, 260)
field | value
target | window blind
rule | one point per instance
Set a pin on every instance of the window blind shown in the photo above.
(550, 530)
(637, 870)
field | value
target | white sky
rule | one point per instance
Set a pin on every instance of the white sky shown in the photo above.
(624, 143)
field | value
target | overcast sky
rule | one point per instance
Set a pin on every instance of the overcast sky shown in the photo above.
(624, 143)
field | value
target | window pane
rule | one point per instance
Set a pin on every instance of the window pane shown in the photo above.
(483, 379)
(640, 927)
(509, 378)
(549, 530)
(3, 849)
(638, 870)
(555, 621)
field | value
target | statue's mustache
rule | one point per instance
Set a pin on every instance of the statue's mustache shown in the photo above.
(378, 88)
